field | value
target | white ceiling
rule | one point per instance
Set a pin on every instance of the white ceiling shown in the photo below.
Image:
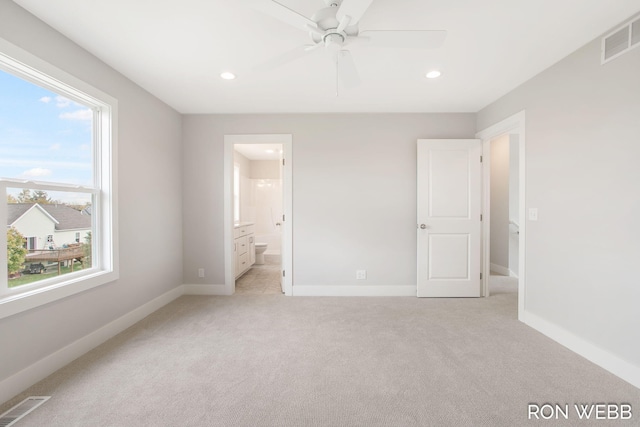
(259, 151)
(176, 50)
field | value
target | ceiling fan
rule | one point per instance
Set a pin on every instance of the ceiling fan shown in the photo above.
(335, 27)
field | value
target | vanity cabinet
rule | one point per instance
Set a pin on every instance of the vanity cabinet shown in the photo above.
(244, 248)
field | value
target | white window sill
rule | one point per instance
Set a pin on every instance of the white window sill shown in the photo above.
(27, 300)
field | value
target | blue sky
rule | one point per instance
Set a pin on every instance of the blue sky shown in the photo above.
(43, 136)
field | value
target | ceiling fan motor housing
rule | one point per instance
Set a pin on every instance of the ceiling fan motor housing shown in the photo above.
(327, 22)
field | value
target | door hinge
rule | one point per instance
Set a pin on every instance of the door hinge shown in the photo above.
(480, 276)
(480, 159)
(480, 217)
(282, 218)
(283, 274)
(282, 162)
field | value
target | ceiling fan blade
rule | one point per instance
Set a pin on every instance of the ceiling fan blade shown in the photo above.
(285, 58)
(284, 14)
(347, 71)
(407, 39)
(354, 9)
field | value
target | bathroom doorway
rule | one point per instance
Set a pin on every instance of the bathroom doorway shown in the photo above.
(258, 214)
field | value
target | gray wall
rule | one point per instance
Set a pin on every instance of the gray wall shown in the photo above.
(582, 150)
(354, 192)
(150, 214)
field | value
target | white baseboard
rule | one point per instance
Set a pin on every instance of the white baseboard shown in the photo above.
(500, 269)
(621, 368)
(38, 371)
(354, 291)
(205, 290)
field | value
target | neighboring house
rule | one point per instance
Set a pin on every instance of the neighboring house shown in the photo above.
(48, 226)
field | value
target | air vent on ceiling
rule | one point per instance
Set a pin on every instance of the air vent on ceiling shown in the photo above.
(621, 40)
(14, 414)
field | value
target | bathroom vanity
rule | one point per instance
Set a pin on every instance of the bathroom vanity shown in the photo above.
(244, 248)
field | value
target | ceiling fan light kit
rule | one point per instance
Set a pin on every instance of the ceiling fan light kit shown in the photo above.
(335, 27)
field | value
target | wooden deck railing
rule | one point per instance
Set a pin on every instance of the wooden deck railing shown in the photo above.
(74, 251)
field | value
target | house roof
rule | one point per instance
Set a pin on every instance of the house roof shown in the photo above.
(66, 217)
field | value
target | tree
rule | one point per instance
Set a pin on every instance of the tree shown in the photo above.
(38, 196)
(41, 197)
(16, 252)
(24, 196)
(11, 199)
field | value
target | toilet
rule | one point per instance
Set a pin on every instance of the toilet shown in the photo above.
(260, 248)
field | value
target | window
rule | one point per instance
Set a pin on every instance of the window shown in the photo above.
(57, 177)
(31, 243)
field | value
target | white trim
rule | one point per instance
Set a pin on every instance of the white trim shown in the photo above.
(287, 194)
(600, 357)
(500, 269)
(514, 124)
(355, 291)
(30, 375)
(205, 289)
(512, 274)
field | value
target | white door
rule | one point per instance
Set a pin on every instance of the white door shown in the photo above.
(449, 203)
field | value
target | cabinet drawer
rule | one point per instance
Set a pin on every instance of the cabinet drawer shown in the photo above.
(243, 262)
(239, 231)
(242, 245)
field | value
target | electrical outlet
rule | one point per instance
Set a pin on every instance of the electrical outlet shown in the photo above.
(201, 272)
(361, 274)
(533, 214)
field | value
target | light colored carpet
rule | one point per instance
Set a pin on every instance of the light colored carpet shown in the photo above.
(270, 360)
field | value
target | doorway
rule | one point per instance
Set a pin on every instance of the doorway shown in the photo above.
(504, 214)
(510, 131)
(258, 215)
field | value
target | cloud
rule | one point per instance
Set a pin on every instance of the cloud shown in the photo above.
(45, 99)
(55, 147)
(85, 114)
(62, 102)
(35, 172)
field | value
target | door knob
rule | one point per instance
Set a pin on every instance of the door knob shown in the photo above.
(423, 226)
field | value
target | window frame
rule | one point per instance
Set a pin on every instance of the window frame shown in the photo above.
(105, 265)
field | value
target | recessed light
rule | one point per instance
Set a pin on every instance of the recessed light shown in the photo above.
(227, 75)
(433, 74)
(270, 151)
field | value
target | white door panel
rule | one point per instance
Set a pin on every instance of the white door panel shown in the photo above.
(449, 186)
(449, 258)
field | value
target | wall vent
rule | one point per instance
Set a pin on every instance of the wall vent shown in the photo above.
(621, 40)
(14, 414)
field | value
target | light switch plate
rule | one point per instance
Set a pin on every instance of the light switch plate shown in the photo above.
(533, 214)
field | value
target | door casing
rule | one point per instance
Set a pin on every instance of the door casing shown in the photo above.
(512, 125)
